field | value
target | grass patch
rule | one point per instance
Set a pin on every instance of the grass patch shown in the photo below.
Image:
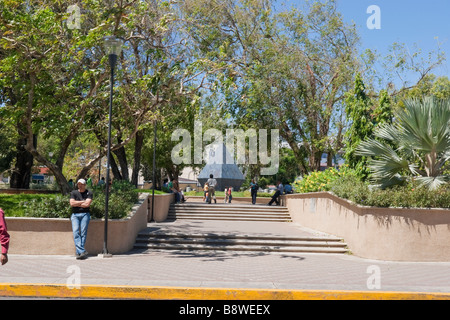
(14, 205)
(149, 191)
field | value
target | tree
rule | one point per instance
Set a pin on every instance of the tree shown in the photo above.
(358, 110)
(7, 148)
(59, 76)
(288, 70)
(421, 134)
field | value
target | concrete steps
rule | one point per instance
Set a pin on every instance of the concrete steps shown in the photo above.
(224, 242)
(236, 227)
(233, 212)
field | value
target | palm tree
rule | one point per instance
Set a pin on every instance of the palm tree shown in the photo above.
(421, 134)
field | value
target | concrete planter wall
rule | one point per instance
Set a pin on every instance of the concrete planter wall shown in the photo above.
(161, 207)
(44, 236)
(396, 234)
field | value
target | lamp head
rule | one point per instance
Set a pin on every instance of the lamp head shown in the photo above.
(113, 48)
(113, 45)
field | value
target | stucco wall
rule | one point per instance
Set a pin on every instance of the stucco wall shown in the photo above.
(396, 234)
(161, 207)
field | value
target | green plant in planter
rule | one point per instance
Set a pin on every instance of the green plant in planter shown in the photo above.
(421, 133)
(320, 180)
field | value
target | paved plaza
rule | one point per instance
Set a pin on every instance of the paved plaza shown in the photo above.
(233, 270)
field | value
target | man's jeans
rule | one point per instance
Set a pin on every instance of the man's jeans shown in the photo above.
(80, 222)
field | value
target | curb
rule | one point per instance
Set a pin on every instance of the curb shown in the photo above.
(191, 293)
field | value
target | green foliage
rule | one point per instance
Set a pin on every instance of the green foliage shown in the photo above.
(411, 195)
(14, 205)
(48, 207)
(421, 134)
(358, 110)
(122, 198)
(321, 180)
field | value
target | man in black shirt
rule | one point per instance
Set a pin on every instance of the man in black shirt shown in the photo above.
(80, 201)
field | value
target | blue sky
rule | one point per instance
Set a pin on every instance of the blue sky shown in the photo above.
(404, 21)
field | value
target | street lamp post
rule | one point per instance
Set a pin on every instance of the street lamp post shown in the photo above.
(113, 48)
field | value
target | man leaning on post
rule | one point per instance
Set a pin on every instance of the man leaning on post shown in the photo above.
(4, 238)
(80, 201)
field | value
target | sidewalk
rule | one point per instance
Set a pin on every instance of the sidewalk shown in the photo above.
(224, 275)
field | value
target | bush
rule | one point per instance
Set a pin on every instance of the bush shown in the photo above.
(122, 197)
(48, 207)
(408, 196)
(321, 180)
(350, 187)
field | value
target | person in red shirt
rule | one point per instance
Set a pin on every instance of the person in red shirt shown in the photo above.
(4, 238)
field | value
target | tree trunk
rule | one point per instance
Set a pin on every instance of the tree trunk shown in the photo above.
(21, 174)
(314, 160)
(329, 159)
(122, 158)
(137, 157)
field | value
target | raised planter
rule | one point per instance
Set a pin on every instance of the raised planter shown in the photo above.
(396, 234)
(42, 236)
(161, 207)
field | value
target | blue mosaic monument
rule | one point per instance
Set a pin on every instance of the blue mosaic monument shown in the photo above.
(226, 173)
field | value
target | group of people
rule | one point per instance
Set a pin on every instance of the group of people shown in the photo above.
(281, 189)
(209, 190)
(89, 182)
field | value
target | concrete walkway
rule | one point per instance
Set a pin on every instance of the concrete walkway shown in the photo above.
(224, 275)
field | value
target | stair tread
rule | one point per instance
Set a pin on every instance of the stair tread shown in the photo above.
(244, 242)
(229, 215)
(227, 206)
(241, 247)
(236, 236)
(234, 219)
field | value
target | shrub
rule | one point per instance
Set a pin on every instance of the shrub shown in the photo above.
(121, 200)
(48, 207)
(350, 187)
(122, 197)
(409, 196)
(321, 180)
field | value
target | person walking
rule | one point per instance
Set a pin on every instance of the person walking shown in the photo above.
(80, 201)
(226, 195)
(229, 195)
(254, 190)
(205, 192)
(279, 192)
(212, 183)
(4, 238)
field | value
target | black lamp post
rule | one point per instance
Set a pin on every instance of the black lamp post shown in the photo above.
(113, 48)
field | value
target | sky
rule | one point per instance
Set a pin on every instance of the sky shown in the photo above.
(404, 21)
